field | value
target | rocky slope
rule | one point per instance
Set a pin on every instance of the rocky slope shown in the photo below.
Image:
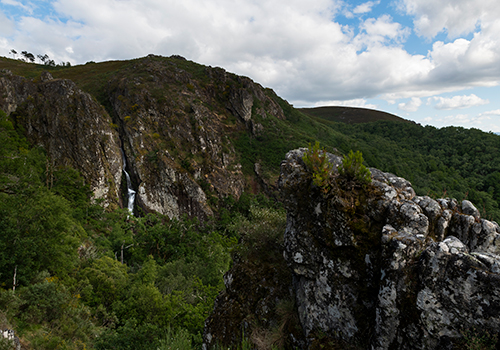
(172, 123)
(70, 125)
(377, 267)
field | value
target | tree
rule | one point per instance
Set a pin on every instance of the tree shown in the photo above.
(37, 233)
(13, 53)
(43, 58)
(28, 56)
(352, 168)
(318, 164)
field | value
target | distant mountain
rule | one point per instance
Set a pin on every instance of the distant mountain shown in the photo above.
(350, 115)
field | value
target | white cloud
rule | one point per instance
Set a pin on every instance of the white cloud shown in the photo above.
(468, 121)
(456, 17)
(383, 29)
(366, 7)
(458, 102)
(495, 113)
(410, 106)
(6, 25)
(457, 119)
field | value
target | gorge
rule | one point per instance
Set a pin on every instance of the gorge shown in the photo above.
(159, 194)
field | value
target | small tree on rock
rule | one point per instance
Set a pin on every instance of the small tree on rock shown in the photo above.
(352, 168)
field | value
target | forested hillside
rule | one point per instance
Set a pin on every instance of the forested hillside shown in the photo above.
(80, 271)
(448, 162)
(75, 276)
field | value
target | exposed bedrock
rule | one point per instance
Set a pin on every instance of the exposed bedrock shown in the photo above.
(377, 267)
(382, 268)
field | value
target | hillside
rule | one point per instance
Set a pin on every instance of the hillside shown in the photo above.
(350, 115)
(202, 148)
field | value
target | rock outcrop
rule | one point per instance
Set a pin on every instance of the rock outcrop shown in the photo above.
(377, 267)
(382, 268)
(70, 125)
(176, 130)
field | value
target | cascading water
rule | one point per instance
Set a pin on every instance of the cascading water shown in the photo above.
(130, 191)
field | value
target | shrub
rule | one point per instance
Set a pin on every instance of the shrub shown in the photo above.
(474, 339)
(352, 168)
(179, 339)
(318, 164)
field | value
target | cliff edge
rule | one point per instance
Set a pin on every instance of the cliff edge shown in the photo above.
(376, 267)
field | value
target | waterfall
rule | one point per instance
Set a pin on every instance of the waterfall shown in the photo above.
(131, 192)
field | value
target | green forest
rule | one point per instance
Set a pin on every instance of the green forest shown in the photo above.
(447, 162)
(75, 276)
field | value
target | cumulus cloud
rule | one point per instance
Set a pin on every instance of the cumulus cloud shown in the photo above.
(455, 17)
(366, 7)
(457, 102)
(383, 29)
(410, 106)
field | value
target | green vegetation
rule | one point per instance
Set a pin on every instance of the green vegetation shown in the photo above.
(318, 164)
(474, 339)
(352, 168)
(75, 276)
(448, 162)
(350, 114)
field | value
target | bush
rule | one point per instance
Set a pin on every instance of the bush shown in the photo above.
(179, 339)
(318, 164)
(352, 169)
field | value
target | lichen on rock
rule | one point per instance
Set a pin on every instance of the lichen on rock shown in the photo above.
(430, 271)
(374, 267)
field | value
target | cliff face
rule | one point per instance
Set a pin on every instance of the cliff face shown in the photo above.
(70, 125)
(174, 121)
(389, 269)
(377, 267)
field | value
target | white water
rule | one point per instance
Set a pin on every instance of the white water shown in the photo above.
(131, 192)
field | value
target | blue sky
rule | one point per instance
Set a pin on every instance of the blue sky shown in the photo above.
(434, 62)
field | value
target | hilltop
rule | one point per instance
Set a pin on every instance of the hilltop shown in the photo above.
(351, 115)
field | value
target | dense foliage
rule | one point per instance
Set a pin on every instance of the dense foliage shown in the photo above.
(75, 276)
(317, 162)
(448, 162)
(352, 168)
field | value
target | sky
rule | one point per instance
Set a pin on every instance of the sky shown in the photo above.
(434, 62)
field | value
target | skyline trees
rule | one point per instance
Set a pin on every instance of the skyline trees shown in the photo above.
(44, 59)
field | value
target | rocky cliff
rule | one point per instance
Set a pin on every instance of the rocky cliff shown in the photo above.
(377, 267)
(70, 125)
(170, 122)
